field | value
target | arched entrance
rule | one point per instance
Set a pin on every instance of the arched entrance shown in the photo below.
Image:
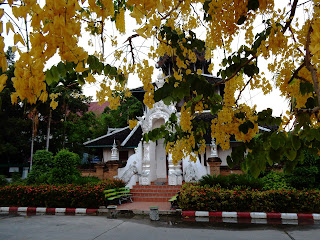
(155, 164)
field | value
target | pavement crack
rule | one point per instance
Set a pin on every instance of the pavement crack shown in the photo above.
(108, 230)
(292, 238)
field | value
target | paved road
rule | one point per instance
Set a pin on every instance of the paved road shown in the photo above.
(44, 227)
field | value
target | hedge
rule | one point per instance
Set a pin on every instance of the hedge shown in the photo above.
(205, 198)
(71, 196)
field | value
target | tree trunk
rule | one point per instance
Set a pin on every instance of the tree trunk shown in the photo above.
(48, 130)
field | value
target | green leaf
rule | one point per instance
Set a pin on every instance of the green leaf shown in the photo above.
(240, 115)
(49, 77)
(250, 70)
(253, 5)
(306, 87)
(55, 73)
(62, 69)
(229, 162)
(311, 103)
(241, 20)
(291, 153)
(244, 128)
(295, 142)
(275, 155)
(277, 140)
(215, 108)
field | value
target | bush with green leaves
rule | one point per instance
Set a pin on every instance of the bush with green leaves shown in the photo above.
(3, 180)
(86, 180)
(231, 181)
(304, 177)
(275, 181)
(195, 197)
(42, 164)
(64, 168)
(70, 195)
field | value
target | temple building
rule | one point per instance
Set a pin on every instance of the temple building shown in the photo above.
(128, 157)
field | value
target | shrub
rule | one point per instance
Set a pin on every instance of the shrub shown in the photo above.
(64, 169)
(275, 181)
(73, 196)
(86, 180)
(304, 177)
(3, 180)
(231, 181)
(42, 164)
(16, 179)
(205, 198)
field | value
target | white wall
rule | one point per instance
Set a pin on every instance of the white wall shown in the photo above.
(223, 156)
(106, 154)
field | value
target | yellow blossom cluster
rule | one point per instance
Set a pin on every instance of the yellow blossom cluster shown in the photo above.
(106, 93)
(184, 148)
(185, 120)
(53, 97)
(132, 124)
(227, 124)
(145, 72)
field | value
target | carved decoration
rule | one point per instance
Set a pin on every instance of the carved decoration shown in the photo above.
(127, 175)
(114, 152)
(159, 110)
(190, 174)
(213, 148)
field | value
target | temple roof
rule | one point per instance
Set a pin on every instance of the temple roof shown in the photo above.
(124, 137)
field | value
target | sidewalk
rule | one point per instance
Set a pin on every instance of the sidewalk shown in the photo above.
(144, 206)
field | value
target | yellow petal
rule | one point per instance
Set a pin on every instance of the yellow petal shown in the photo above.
(3, 80)
(14, 97)
(80, 67)
(9, 26)
(17, 38)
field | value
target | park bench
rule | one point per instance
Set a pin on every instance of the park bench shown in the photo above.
(124, 194)
(118, 195)
(173, 201)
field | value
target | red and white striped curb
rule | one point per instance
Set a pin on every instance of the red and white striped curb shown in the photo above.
(43, 210)
(253, 215)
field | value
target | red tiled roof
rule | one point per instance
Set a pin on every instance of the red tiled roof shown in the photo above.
(97, 108)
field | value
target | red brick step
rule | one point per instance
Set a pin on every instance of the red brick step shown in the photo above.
(153, 193)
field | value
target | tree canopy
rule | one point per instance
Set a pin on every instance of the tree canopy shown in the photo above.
(282, 41)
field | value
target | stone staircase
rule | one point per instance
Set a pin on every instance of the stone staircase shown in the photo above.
(156, 192)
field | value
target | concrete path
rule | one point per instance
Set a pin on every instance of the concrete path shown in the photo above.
(56, 227)
(163, 206)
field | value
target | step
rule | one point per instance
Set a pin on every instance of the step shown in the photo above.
(150, 199)
(156, 187)
(144, 194)
(150, 190)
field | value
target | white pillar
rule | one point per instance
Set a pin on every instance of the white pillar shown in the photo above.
(145, 175)
(174, 172)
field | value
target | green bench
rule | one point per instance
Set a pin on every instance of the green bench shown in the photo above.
(173, 201)
(125, 194)
(118, 195)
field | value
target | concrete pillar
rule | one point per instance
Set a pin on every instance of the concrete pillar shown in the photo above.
(145, 175)
(99, 170)
(112, 169)
(214, 163)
